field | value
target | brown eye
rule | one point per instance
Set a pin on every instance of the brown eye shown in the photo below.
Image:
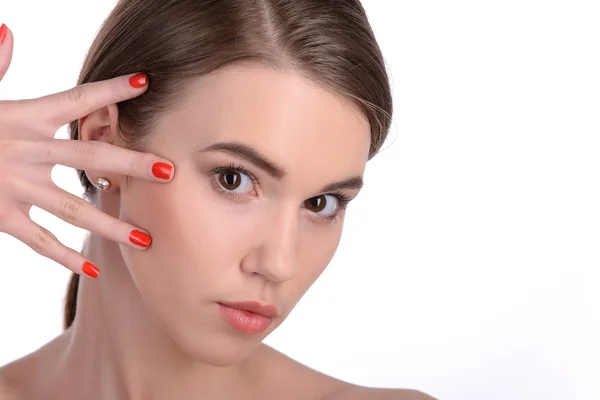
(326, 205)
(316, 204)
(230, 180)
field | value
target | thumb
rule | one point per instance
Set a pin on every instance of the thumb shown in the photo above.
(6, 49)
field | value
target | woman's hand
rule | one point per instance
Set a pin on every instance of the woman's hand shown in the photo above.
(28, 152)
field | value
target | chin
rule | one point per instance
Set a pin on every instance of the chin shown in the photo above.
(216, 349)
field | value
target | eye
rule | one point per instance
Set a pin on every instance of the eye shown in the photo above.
(326, 202)
(234, 181)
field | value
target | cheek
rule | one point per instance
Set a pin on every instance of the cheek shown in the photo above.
(198, 239)
(317, 246)
(162, 272)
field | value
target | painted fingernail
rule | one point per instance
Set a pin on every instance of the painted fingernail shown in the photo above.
(2, 33)
(90, 269)
(162, 170)
(140, 238)
(138, 81)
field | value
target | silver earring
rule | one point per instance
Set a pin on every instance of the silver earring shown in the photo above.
(102, 184)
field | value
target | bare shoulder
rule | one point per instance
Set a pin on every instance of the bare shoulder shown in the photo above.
(290, 379)
(364, 393)
(8, 390)
(18, 376)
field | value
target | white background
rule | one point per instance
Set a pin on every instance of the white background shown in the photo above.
(469, 265)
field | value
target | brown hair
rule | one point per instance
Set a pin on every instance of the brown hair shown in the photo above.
(330, 42)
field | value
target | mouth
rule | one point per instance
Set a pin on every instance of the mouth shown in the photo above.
(249, 317)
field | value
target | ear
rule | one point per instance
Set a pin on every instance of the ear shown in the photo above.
(101, 125)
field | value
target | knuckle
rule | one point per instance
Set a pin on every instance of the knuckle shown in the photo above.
(42, 241)
(138, 162)
(12, 149)
(87, 150)
(70, 210)
(4, 109)
(76, 95)
(7, 148)
(8, 111)
(4, 219)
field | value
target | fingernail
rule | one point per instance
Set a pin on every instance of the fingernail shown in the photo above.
(90, 269)
(138, 81)
(2, 33)
(140, 238)
(162, 170)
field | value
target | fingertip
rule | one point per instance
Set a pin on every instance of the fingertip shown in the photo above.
(138, 81)
(163, 171)
(6, 49)
(3, 33)
(90, 270)
(140, 238)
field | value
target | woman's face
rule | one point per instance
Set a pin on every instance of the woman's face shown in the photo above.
(264, 162)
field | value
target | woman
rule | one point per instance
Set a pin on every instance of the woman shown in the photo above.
(218, 177)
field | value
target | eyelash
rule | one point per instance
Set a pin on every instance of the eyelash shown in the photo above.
(341, 198)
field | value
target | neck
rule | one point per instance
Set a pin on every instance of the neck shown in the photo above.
(117, 350)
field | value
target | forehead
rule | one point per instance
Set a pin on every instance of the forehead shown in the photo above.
(285, 116)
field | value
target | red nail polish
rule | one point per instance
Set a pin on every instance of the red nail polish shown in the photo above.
(2, 33)
(138, 81)
(140, 238)
(162, 170)
(90, 269)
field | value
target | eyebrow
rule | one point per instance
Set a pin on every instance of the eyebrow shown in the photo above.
(276, 171)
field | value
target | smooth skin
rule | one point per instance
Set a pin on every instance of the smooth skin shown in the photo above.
(149, 326)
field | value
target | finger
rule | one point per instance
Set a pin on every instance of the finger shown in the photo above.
(45, 243)
(80, 213)
(6, 49)
(61, 108)
(98, 156)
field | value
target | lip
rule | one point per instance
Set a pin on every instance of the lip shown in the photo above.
(268, 310)
(248, 317)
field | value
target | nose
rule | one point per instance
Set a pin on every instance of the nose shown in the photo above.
(275, 255)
